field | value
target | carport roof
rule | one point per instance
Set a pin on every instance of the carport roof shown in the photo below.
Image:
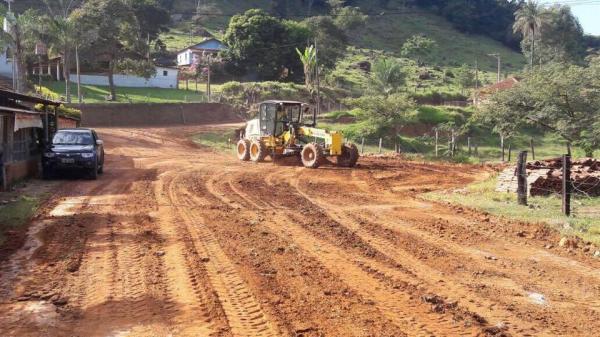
(26, 98)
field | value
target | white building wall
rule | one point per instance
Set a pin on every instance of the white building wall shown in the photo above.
(5, 65)
(164, 78)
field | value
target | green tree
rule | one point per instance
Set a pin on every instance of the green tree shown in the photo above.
(309, 61)
(563, 99)
(264, 46)
(62, 34)
(528, 20)
(118, 40)
(387, 76)
(383, 115)
(418, 47)
(465, 77)
(560, 37)
(21, 35)
(331, 40)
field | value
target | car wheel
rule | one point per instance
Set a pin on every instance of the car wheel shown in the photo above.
(93, 175)
(101, 169)
(47, 173)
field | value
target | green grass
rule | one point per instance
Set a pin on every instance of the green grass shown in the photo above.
(482, 195)
(389, 32)
(16, 214)
(222, 140)
(97, 94)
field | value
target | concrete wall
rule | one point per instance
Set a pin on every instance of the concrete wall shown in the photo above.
(16, 171)
(164, 114)
(164, 78)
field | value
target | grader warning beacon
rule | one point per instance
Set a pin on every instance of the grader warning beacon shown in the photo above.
(287, 128)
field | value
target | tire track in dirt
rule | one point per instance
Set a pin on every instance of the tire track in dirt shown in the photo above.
(447, 259)
(254, 249)
(402, 308)
(446, 285)
(244, 312)
(199, 311)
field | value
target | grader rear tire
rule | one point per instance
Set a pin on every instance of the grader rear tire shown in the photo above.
(258, 151)
(349, 156)
(243, 150)
(312, 155)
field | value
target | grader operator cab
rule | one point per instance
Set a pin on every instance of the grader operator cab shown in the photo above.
(286, 128)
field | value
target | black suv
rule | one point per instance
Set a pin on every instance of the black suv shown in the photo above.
(74, 149)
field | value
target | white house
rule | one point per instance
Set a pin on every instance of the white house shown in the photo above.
(164, 78)
(194, 54)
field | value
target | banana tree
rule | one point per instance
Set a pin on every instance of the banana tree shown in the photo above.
(309, 61)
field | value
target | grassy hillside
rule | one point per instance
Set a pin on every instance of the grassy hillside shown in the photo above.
(385, 32)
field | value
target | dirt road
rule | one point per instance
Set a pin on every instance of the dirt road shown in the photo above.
(176, 240)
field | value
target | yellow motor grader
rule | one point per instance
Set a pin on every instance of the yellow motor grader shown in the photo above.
(288, 128)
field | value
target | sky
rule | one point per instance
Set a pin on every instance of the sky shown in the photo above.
(587, 11)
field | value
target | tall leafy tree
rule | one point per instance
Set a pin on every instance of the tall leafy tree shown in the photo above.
(528, 21)
(331, 40)
(563, 99)
(20, 37)
(119, 42)
(263, 46)
(561, 38)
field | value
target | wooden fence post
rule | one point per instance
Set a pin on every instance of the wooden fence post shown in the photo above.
(532, 149)
(380, 144)
(469, 145)
(566, 185)
(362, 146)
(453, 143)
(522, 178)
(436, 142)
(502, 146)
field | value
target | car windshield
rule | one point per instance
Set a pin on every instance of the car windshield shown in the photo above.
(72, 138)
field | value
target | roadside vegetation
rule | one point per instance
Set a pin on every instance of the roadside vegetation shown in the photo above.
(16, 209)
(584, 223)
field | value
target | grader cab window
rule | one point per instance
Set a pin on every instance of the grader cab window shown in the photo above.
(267, 119)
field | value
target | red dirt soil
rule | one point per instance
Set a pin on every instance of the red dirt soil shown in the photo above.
(176, 240)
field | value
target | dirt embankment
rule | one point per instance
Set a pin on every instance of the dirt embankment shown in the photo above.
(181, 241)
(156, 114)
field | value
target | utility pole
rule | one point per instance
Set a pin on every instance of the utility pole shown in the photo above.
(497, 57)
(208, 93)
(476, 76)
(79, 98)
(318, 81)
(8, 28)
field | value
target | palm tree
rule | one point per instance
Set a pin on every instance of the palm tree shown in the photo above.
(21, 32)
(62, 32)
(386, 76)
(309, 60)
(528, 21)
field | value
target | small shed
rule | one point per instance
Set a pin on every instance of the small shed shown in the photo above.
(23, 134)
(197, 53)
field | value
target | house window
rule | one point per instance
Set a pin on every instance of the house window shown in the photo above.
(165, 73)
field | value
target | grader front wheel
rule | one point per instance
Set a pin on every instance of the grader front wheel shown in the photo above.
(312, 155)
(243, 150)
(258, 151)
(349, 156)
